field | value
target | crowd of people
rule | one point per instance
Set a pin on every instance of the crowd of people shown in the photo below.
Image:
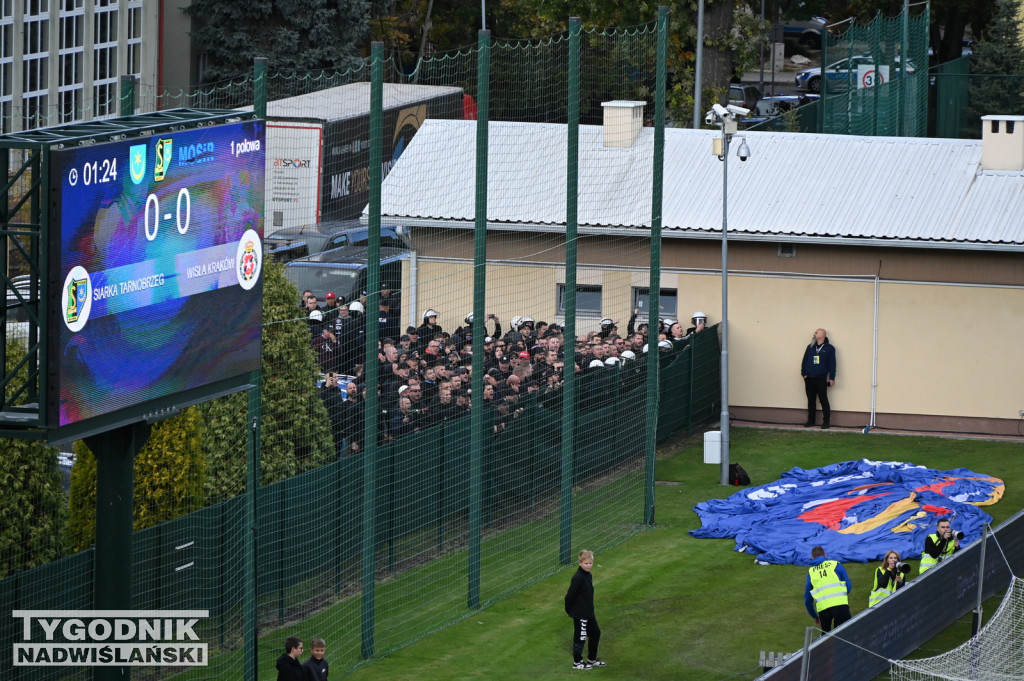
(425, 373)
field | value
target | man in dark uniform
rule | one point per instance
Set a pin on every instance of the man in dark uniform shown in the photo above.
(818, 369)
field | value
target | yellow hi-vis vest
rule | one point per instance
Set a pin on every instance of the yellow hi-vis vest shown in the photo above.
(927, 562)
(878, 593)
(827, 589)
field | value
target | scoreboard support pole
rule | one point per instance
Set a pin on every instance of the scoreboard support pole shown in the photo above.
(115, 452)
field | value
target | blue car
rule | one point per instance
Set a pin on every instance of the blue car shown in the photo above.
(843, 73)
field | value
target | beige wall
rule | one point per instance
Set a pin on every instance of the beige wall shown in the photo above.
(951, 350)
(771, 322)
(944, 350)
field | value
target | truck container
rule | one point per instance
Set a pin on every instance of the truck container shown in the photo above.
(318, 147)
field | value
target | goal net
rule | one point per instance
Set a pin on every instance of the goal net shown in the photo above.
(996, 653)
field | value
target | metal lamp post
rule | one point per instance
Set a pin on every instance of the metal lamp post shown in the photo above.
(727, 119)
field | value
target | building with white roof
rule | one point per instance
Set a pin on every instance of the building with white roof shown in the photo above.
(907, 250)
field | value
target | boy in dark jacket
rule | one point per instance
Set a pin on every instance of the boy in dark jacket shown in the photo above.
(316, 666)
(579, 605)
(288, 666)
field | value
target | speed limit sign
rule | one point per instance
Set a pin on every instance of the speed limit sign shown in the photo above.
(868, 76)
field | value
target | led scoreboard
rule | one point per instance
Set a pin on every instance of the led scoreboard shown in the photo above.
(155, 270)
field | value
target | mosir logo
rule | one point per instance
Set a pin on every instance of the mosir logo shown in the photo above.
(244, 147)
(110, 638)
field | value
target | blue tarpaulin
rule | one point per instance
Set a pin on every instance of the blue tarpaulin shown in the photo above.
(856, 510)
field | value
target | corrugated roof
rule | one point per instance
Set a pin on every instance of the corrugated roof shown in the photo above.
(351, 100)
(794, 186)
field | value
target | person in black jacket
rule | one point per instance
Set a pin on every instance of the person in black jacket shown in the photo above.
(288, 666)
(579, 605)
(316, 666)
(818, 368)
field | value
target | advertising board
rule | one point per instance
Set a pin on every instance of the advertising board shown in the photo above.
(155, 270)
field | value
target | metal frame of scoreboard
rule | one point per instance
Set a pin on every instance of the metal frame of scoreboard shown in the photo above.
(33, 397)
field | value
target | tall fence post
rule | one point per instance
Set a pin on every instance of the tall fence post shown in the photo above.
(483, 103)
(654, 291)
(571, 224)
(369, 537)
(978, 609)
(259, 87)
(127, 107)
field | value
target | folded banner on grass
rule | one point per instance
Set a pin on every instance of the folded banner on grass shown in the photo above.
(857, 510)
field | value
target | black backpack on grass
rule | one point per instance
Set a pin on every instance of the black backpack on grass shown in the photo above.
(738, 476)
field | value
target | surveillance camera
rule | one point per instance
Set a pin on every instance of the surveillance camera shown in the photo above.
(721, 111)
(743, 151)
(709, 118)
(738, 110)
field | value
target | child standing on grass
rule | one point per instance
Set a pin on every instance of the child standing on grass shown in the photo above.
(315, 667)
(579, 605)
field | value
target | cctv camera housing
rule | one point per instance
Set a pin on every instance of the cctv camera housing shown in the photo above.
(738, 110)
(721, 110)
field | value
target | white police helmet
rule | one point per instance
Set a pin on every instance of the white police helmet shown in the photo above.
(595, 364)
(698, 317)
(469, 319)
(515, 322)
(429, 313)
(665, 344)
(356, 306)
(607, 323)
(316, 316)
(628, 354)
(611, 361)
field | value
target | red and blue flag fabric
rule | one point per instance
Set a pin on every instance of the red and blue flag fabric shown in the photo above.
(856, 510)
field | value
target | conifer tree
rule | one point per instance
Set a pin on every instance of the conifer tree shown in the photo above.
(997, 67)
(294, 35)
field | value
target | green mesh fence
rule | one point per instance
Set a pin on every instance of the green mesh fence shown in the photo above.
(484, 469)
(865, 88)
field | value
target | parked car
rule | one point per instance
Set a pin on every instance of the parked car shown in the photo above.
(746, 96)
(297, 242)
(966, 49)
(844, 71)
(807, 33)
(749, 97)
(343, 271)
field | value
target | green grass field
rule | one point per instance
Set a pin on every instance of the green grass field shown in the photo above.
(674, 607)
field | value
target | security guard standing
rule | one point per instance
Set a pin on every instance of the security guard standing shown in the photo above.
(939, 546)
(826, 594)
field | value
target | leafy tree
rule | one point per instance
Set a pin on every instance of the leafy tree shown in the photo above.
(998, 53)
(294, 427)
(168, 479)
(32, 510)
(294, 35)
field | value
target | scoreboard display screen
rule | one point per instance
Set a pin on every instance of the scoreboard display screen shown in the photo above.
(156, 263)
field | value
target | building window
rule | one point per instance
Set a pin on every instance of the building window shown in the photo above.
(588, 300)
(787, 250)
(668, 302)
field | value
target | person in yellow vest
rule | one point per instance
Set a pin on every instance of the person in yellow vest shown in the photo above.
(940, 545)
(827, 593)
(888, 578)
